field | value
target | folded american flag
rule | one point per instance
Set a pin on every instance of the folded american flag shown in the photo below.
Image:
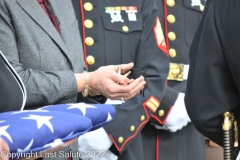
(38, 130)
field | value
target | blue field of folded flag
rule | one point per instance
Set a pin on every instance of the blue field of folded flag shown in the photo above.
(47, 127)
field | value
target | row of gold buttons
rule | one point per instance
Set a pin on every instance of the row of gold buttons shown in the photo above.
(132, 128)
(171, 35)
(171, 19)
(89, 41)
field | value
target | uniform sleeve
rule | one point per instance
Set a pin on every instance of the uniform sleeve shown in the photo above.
(42, 87)
(213, 80)
(168, 100)
(131, 117)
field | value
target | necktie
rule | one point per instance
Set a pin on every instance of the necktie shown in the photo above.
(49, 13)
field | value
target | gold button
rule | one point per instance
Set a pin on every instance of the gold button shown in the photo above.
(90, 60)
(171, 18)
(142, 118)
(125, 28)
(89, 41)
(88, 23)
(202, 7)
(171, 36)
(132, 128)
(88, 6)
(172, 53)
(170, 3)
(120, 139)
(161, 113)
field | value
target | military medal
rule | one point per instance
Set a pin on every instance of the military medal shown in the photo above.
(197, 3)
(131, 11)
(115, 13)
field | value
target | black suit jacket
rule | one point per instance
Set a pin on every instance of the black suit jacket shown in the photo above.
(214, 77)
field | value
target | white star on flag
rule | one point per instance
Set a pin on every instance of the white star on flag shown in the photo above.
(109, 117)
(4, 133)
(41, 120)
(81, 106)
(26, 148)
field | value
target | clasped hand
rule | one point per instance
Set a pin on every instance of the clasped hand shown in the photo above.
(107, 81)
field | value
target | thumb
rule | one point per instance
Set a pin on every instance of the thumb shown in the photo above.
(126, 67)
(123, 67)
(119, 78)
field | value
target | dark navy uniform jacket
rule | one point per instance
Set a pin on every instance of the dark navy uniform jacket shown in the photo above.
(13, 93)
(123, 31)
(214, 76)
(180, 21)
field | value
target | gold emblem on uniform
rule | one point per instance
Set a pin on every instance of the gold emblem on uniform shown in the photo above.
(172, 52)
(125, 28)
(90, 60)
(88, 23)
(170, 3)
(132, 128)
(171, 18)
(171, 36)
(142, 118)
(120, 139)
(202, 7)
(161, 113)
(176, 71)
(89, 41)
(88, 6)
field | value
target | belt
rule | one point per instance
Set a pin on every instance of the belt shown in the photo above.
(178, 72)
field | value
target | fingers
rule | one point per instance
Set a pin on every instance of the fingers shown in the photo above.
(117, 91)
(109, 82)
(120, 79)
(4, 150)
(124, 67)
(135, 87)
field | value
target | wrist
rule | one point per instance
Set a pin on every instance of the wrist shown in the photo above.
(80, 81)
(91, 89)
(86, 89)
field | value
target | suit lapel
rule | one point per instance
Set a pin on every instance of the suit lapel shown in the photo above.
(33, 9)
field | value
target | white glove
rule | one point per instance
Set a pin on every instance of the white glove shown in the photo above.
(94, 145)
(178, 117)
